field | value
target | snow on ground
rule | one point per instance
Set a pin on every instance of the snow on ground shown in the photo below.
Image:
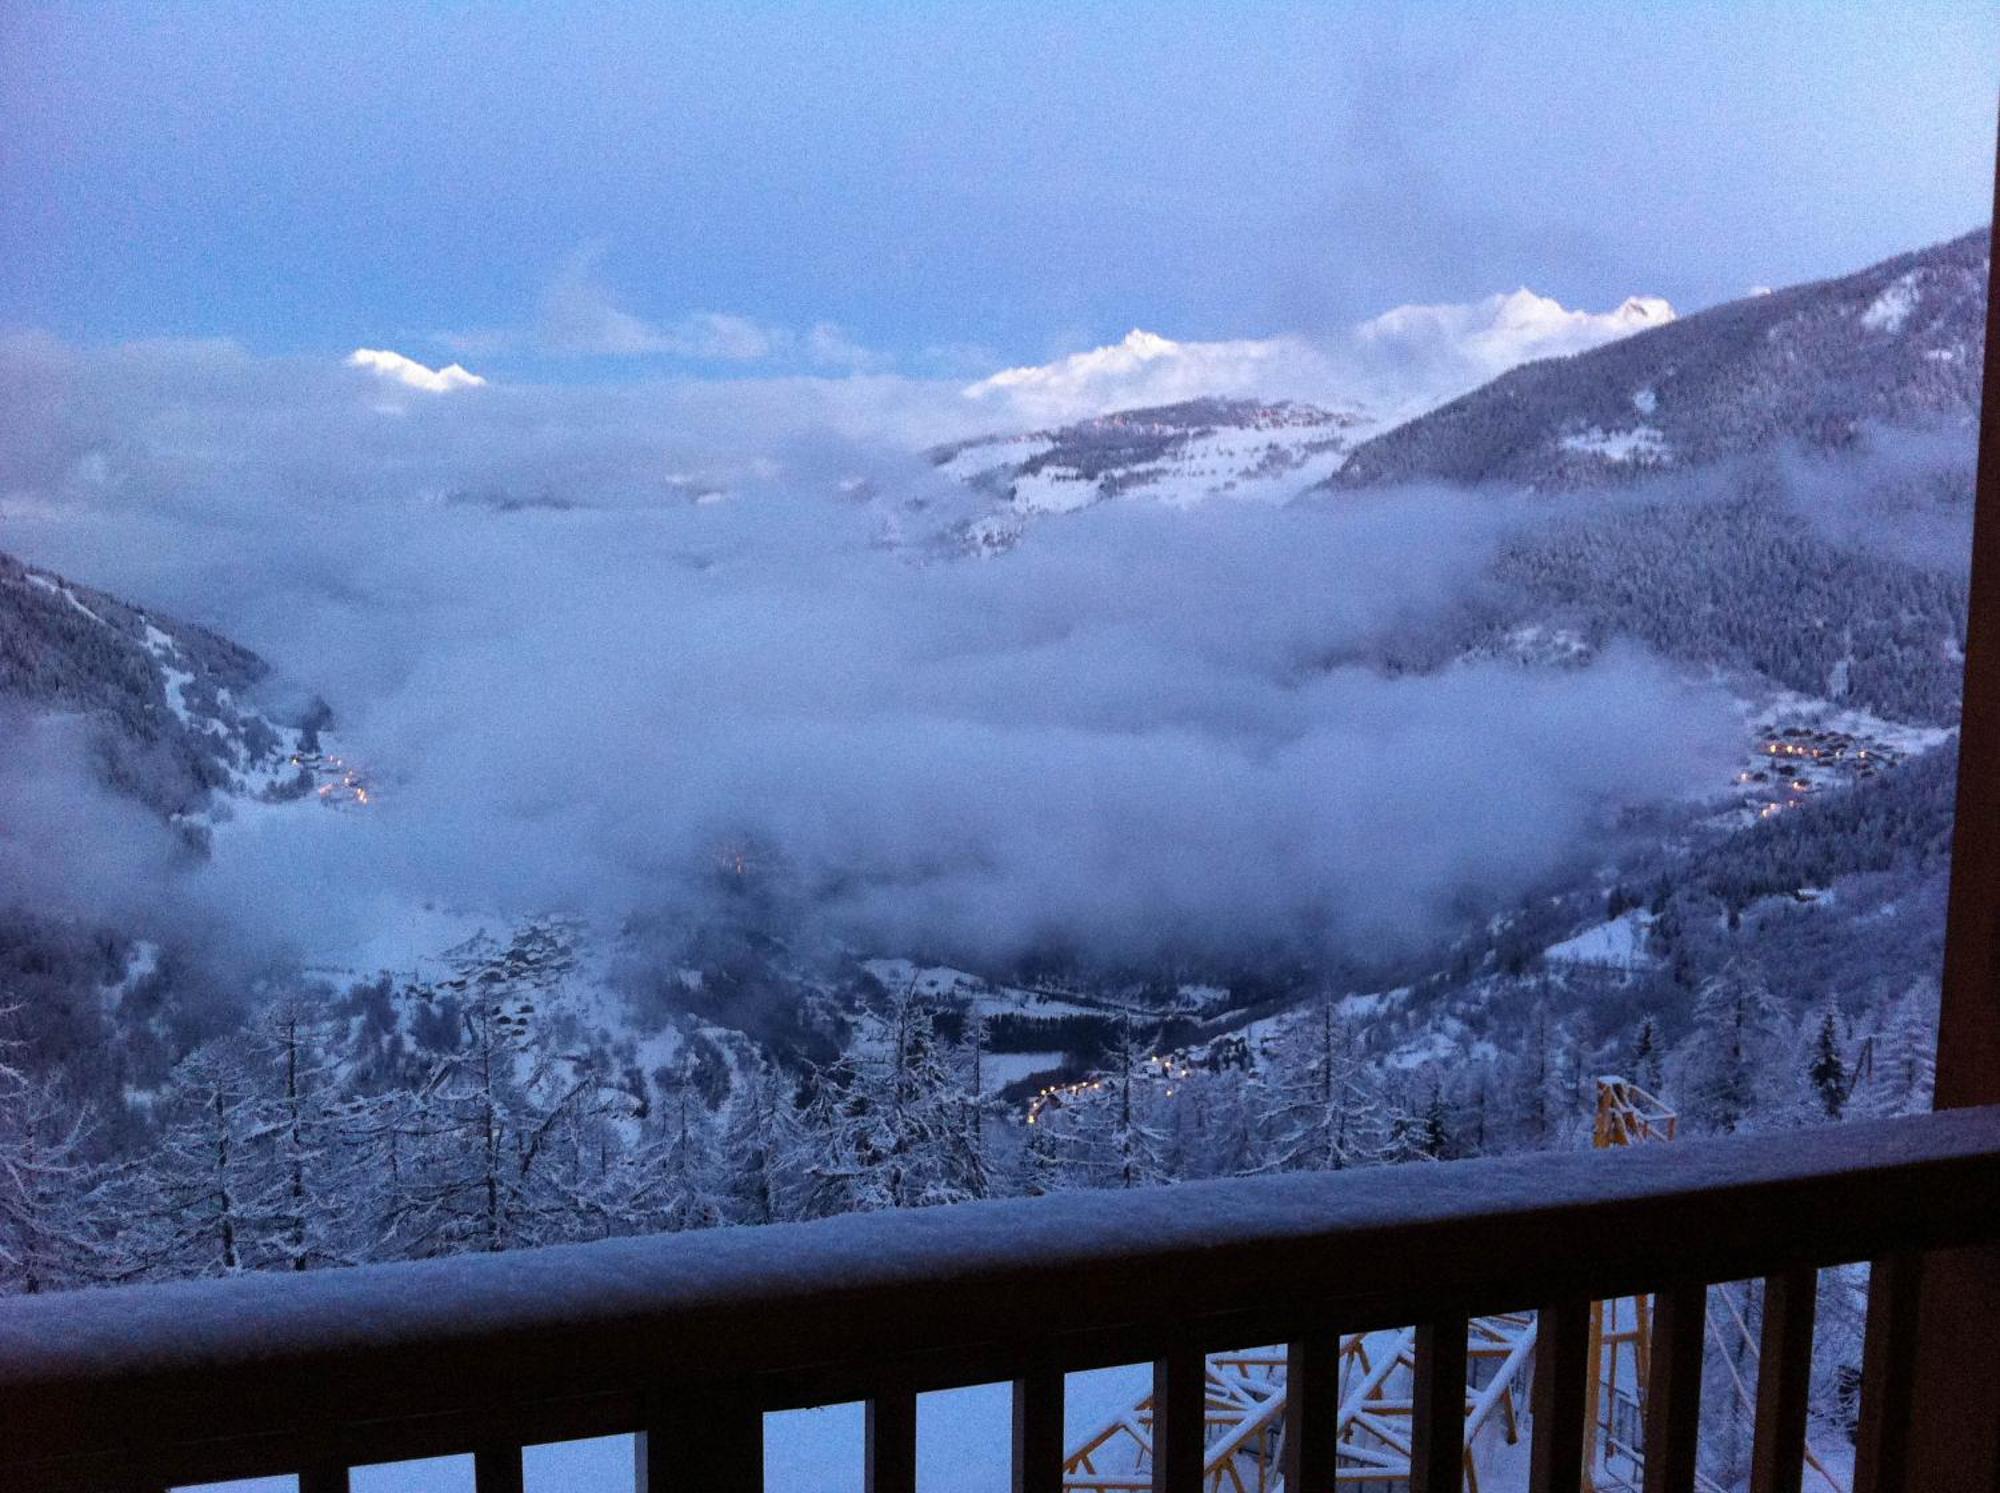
(1889, 310)
(56, 588)
(165, 650)
(1642, 444)
(998, 1069)
(1617, 944)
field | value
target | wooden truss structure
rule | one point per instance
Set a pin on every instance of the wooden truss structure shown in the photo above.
(1245, 1415)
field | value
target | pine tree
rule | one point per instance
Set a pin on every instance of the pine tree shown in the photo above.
(190, 1208)
(1737, 1037)
(1826, 1070)
(678, 1180)
(50, 1226)
(1648, 1057)
(1323, 1113)
(760, 1147)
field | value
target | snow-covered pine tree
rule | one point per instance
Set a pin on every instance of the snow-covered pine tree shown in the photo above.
(678, 1179)
(1542, 1096)
(1739, 1034)
(302, 1210)
(1901, 1064)
(190, 1208)
(1323, 1112)
(50, 1220)
(760, 1148)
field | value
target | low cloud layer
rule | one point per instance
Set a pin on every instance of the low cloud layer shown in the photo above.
(571, 681)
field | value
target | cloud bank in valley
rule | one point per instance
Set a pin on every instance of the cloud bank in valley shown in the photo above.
(572, 680)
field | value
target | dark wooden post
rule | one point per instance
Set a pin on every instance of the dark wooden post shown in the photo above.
(1312, 1410)
(705, 1444)
(1180, 1421)
(1437, 1411)
(1562, 1374)
(1888, 1372)
(1784, 1377)
(1038, 1430)
(1673, 1389)
(890, 1458)
(1954, 1407)
(497, 1469)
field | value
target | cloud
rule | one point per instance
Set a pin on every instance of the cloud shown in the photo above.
(412, 374)
(1433, 352)
(1140, 729)
(1396, 364)
(1148, 369)
(580, 319)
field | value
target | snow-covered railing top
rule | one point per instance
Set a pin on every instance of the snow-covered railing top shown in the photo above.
(232, 1377)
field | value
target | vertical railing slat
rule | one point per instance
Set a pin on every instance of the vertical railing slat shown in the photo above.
(1563, 1372)
(890, 1458)
(323, 1477)
(497, 1469)
(1180, 1399)
(705, 1444)
(1437, 1412)
(1673, 1389)
(1888, 1373)
(1312, 1410)
(1784, 1381)
(1038, 1430)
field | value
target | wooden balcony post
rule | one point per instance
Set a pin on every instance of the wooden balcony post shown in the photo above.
(700, 1444)
(1673, 1389)
(1955, 1404)
(323, 1477)
(890, 1456)
(1563, 1371)
(497, 1469)
(1888, 1372)
(1437, 1412)
(1038, 1430)
(1312, 1410)
(1784, 1377)
(1180, 1431)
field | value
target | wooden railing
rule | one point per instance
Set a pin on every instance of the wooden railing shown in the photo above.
(688, 1339)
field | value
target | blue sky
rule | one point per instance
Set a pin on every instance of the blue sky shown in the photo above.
(604, 190)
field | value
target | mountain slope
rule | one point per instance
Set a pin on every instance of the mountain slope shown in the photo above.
(1176, 454)
(168, 725)
(1899, 343)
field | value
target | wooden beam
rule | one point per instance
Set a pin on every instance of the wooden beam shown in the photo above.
(1958, 1353)
(1437, 1407)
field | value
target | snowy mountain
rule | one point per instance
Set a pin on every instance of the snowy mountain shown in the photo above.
(1178, 454)
(1898, 344)
(169, 705)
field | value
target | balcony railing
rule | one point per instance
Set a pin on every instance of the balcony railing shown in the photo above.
(688, 1339)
